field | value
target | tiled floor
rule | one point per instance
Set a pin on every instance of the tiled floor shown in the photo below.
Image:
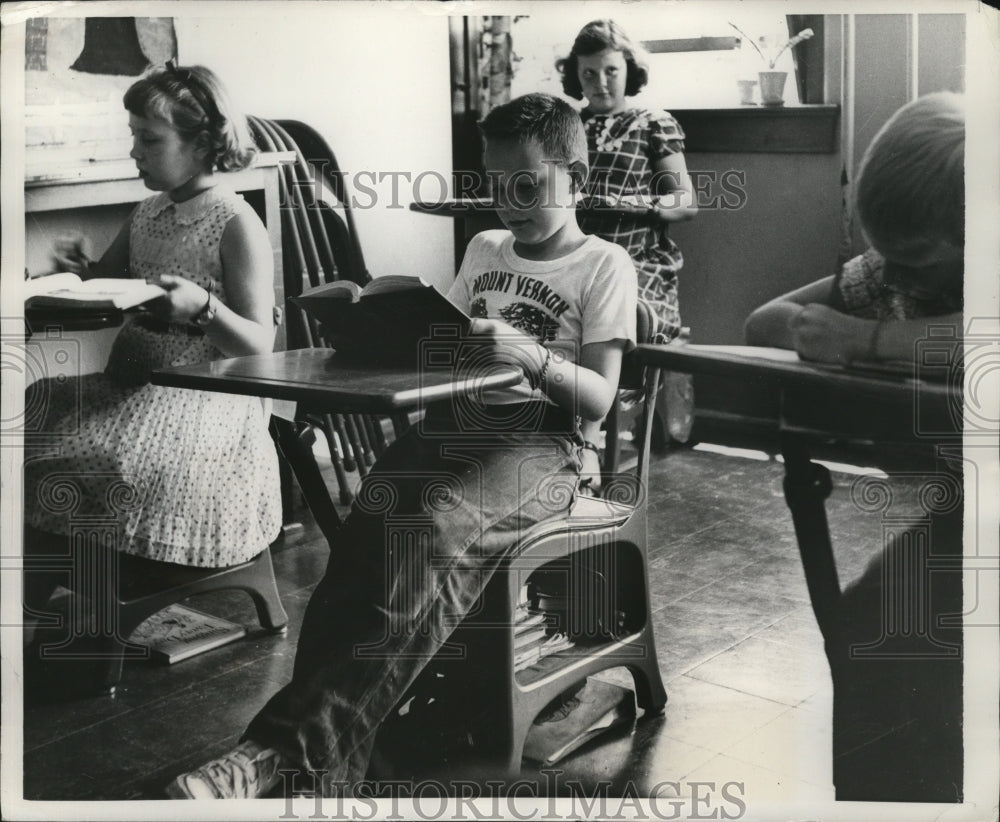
(741, 658)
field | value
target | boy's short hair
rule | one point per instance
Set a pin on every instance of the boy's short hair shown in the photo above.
(553, 123)
(911, 184)
(595, 37)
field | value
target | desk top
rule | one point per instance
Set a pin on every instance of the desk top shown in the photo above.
(123, 169)
(36, 320)
(116, 183)
(323, 380)
(786, 369)
(465, 206)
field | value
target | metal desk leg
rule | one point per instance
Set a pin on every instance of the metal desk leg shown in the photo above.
(807, 485)
(295, 444)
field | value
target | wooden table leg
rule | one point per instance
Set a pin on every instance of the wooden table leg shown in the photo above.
(807, 485)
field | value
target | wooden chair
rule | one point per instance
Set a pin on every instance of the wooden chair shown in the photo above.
(320, 244)
(149, 587)
(599, 548)
(125, 590)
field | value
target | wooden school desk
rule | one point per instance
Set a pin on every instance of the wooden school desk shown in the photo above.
(324, 381)
(893, 637)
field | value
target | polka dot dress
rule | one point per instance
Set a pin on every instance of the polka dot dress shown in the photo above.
(181, 476)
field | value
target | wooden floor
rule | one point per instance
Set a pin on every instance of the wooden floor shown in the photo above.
(740, 654)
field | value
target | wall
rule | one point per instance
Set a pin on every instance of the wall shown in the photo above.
(374, 81)
(897, 57)
(786, 233)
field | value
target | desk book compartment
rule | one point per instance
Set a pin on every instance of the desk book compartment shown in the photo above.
(386, 321)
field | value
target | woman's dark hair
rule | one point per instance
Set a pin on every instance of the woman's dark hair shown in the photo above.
(594, 38)
(194, 101)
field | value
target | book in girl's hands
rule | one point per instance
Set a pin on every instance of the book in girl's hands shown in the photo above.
(383, 322)
(68, 291)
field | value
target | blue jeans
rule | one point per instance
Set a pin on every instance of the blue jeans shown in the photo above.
(430, 522)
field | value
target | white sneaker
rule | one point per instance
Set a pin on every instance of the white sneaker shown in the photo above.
(246, 772)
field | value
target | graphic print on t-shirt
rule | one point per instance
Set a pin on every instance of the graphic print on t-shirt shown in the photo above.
(537, 311)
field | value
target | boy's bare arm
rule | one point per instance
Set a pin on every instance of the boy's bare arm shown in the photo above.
(586, 389)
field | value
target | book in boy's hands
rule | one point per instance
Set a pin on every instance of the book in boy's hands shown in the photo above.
(68, 291)
(385, 321)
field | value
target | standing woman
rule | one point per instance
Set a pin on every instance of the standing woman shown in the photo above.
(636, 158)
(638, 181)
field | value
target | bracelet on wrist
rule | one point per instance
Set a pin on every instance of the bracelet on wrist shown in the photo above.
(537, 381)
(207, 313)
(873, 340)
(591, 446)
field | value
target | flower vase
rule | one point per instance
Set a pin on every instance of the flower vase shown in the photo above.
(772, 87)
(746, 89)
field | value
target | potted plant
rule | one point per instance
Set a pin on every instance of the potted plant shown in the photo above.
(772, 83)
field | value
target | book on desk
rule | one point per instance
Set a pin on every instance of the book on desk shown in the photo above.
(386, 320)
(66, 291)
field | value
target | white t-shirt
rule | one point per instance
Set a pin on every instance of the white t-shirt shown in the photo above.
(587, 296)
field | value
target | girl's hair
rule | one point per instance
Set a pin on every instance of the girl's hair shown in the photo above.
(911, 184)
(194, 101)
(594, 38)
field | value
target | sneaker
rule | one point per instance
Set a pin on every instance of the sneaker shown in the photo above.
(246, 772)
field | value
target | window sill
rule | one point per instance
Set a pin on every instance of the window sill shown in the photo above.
(791, 129)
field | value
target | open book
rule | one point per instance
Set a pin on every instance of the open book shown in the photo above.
(574, 719)
(384, 322)
(67, 291)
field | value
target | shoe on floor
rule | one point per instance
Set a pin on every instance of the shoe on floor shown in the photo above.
(246, 772)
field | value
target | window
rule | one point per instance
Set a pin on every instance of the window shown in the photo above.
(701, 78)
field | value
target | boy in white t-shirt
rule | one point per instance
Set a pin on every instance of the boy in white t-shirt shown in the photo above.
(470, 481)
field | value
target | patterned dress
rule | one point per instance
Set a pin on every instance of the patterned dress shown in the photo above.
(184, 476)
(871, 288)
(623, 148)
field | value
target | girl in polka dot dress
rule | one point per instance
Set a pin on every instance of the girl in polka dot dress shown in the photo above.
(186, 477)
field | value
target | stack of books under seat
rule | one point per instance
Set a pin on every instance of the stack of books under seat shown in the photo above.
(532, 638)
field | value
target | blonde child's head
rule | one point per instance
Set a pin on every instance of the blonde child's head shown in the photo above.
(195, 103)
(598, 36)
(910, 193)
(536, 157)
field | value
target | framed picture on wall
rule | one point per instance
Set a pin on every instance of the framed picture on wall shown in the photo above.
(76, 71)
